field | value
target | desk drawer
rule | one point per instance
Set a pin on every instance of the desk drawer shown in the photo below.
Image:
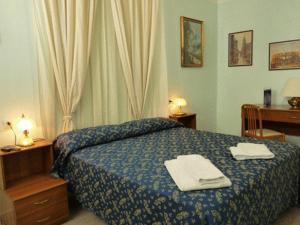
(281, 116)
(40, 201)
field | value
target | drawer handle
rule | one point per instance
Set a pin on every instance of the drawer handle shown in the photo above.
(43, 220)
(41, 202)
(293, 117)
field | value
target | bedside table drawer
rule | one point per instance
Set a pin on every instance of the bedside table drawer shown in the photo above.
(52, 215)
(40, 201)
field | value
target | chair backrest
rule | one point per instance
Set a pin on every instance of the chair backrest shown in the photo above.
(251, 116)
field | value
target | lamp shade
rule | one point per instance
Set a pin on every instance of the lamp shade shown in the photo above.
(292, 87)
(24, 124)
(180, 102)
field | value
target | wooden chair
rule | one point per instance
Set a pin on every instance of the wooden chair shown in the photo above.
(251, 115)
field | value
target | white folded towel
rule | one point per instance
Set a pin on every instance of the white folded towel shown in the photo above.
(195, 173)
(245, 151)
(201, 168)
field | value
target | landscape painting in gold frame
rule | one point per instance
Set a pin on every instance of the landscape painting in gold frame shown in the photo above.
(284, 55)
(191, 31)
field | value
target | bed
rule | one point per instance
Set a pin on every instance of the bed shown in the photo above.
(118, 173)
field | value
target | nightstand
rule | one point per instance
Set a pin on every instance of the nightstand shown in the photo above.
(188, 119)
(38, 197)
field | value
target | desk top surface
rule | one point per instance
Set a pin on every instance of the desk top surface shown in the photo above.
(279, 107)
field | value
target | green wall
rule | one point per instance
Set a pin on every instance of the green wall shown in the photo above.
(196, 85)
(18, 76)
(271, 20)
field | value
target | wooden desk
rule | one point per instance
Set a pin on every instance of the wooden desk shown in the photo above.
(281, 118)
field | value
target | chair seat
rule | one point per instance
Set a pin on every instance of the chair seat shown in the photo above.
(252, 120)
(266, 132)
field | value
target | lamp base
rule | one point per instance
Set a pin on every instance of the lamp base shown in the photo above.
(179, 114)
(294, 102)
(26, 141)
(25, 145)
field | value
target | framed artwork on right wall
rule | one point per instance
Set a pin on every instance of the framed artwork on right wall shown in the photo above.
(284, 55)
(240, 48)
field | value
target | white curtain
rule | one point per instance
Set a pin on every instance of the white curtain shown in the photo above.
(105, 94)
(137, 26)
(64, 31)
(105, 99)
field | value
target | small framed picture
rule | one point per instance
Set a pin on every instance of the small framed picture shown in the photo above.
(191, 31)
(284, 55)
(240, 48)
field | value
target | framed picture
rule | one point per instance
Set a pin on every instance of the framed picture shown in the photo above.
(240, 48)
(284, 55)
(191, 42)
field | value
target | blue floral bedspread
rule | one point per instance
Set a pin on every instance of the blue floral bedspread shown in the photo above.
(118, 172)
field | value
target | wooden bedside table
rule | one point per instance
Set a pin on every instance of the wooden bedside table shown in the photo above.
(188, 119)
(38, 198)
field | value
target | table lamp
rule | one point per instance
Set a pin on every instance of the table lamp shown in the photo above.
(24, 125)
(292, 90)
(180, 102)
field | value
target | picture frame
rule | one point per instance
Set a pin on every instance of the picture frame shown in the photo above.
(284, 55)
(191, 31)
(240, 48)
